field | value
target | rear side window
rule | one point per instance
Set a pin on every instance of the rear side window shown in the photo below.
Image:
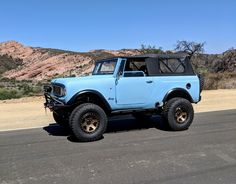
(171, 66)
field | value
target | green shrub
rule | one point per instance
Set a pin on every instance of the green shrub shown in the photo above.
(149, 49)
(9, 94)
(27, 89)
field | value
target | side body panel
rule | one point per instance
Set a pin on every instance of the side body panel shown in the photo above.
(164, 84)
(133, 90)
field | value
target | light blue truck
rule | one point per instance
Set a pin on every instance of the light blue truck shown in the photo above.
(139, 85)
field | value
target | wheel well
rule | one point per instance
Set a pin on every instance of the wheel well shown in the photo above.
(177, 93)
(90, 97)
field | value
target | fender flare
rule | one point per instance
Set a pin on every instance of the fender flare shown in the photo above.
(94, 92)
(182, 91)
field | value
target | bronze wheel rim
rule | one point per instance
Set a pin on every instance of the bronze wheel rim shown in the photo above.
(90, 122)
(180, 115)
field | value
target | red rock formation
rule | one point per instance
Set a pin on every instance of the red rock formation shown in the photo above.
(40, 63)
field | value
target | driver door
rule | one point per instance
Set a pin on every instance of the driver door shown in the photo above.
(133, 87)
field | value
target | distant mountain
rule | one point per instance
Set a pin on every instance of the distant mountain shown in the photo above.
(35, 63)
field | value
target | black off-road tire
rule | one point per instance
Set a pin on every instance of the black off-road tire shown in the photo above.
(82, 117)
(62, 121)
(70, 121)
(179, 113)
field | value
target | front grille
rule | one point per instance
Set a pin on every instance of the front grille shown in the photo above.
(57, 90)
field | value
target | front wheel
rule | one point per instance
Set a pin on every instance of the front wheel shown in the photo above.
(88, 122)
(179, 113)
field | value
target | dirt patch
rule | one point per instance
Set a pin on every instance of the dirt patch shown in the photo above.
(23, 113)
(29, 112)
(215, 100)
(23, 100)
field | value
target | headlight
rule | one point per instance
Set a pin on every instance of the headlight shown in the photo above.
(58, 90)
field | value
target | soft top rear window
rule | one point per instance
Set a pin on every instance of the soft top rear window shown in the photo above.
(171, 66)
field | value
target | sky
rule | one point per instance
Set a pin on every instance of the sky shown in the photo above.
(83, 25)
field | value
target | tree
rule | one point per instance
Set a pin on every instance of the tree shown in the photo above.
(148, 49)
(227, 62)
(191, 48)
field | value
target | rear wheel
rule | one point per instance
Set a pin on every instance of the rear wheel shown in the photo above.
(88, 122)
(179, 113)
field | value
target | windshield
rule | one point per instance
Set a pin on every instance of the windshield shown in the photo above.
(105, 67)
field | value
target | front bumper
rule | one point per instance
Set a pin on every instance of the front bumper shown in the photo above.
(52, 103)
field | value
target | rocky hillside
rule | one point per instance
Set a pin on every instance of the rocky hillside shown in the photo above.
(8, 63)
(30, 63)
(33, 63)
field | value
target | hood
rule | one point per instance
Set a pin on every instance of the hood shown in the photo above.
(67, 80)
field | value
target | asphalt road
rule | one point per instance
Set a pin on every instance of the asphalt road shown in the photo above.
(131, 152)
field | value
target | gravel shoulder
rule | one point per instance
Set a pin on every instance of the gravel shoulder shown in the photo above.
(29, 112)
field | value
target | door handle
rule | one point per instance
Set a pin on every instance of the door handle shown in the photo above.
(149, 82)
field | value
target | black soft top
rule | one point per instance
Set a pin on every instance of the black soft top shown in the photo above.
(153, 63)
(161, 56)
(145, 56)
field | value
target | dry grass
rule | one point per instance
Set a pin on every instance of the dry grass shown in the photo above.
(220, 81)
